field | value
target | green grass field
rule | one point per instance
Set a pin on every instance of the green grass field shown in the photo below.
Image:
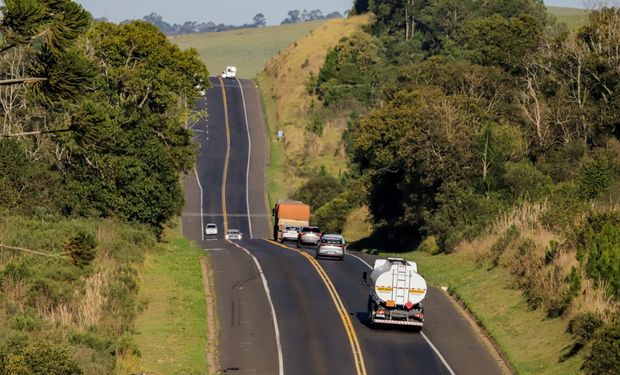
(171, 331)
(247, 49)
(532, 343)
(572, 17)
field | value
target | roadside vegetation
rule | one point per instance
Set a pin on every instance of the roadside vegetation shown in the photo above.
(487, 138)
(171, 331)
(94, 135)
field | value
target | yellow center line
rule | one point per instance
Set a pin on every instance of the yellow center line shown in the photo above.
(225, 175)
(342, 311)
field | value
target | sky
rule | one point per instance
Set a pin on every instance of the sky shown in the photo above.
(235, 12)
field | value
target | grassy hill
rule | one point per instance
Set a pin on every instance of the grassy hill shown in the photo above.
(572, 17)
(247, 49)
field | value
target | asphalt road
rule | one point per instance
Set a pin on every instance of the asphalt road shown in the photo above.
(276, 312)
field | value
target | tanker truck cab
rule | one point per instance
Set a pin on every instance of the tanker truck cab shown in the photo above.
(396, 293)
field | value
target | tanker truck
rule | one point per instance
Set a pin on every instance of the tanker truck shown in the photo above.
(396, 293)
(289, 213)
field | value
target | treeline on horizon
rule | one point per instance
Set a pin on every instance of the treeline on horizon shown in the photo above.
(463, 113)
(259, 20)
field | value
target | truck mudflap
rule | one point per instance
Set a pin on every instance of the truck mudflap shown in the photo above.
(413, 323)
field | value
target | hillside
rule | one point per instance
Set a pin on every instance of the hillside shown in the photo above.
(498, 188)
(302, 153)
(247, 49)
(572, 17)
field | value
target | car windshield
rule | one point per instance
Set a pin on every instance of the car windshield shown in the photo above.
(291, 228)
(233, 231)
(332, 241)
(211, 226)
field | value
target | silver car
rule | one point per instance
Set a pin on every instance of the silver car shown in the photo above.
(309, 236)
(233, 234)
(331, 245)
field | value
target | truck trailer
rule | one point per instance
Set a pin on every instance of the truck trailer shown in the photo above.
(289, 213)
(396, 293)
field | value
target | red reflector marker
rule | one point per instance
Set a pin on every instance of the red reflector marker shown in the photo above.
(409, 305)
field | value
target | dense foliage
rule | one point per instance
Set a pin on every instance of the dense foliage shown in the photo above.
(95, 134)
(462, 112)
(116, 149)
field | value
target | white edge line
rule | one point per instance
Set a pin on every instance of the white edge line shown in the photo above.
(438, 354)
(443, 360)
(273, 310)
(247, 173)
(202, 227)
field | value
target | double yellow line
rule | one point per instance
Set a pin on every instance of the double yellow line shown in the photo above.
(342, 311)
(225, 175)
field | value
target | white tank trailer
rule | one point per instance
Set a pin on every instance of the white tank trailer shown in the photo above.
(396, 293)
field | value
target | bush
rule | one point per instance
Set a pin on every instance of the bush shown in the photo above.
(604, 357)
(601, 253)
(461, 214)
(583, 327)
(319, 190)
(38, 358)
(523, 180)
(595, 176)
(429, 246)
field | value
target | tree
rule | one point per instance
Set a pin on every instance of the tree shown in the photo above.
(144, 96)
(294, 16)
(38, 48)
(259, 20)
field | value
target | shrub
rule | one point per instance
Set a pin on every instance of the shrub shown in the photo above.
(583, 327)
(604, 357)
(26, 321)
(595, 176)
(429, 246)
(523, 180)
(319, 190)
(602, 250)
(39, 358)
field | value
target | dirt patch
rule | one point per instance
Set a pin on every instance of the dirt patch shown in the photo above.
(212, 327)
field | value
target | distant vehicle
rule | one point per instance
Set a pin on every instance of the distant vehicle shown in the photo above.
(331, 245)
(309, 236)
(233, 234)
(290, 234)
(291, 214)
(229, 72)
(211, 229)
(396, 293)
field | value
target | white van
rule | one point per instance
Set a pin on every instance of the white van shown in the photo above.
(230, 72)
(211, 229)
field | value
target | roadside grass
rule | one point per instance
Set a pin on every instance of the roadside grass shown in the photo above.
(532, 343)
(171, 331)
(247, 49)
(572, 17)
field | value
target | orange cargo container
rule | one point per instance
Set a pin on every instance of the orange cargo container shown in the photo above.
(289, 213)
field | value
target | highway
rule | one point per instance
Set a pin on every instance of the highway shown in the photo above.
(281, 311)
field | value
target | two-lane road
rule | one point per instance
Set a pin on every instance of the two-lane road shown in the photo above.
(280, 312)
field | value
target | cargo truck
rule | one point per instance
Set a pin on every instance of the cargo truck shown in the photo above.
(396, 293)
(289, 213)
